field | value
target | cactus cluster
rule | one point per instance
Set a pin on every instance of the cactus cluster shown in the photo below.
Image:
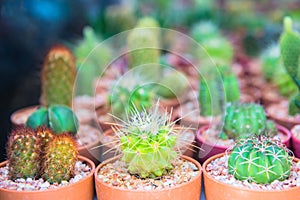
(59, 118)
(290, 53)
(58, 77)
(34, 153)
(259, 160)
(147, 142)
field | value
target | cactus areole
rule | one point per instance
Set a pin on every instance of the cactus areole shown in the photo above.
(259, 160)
(147, 142)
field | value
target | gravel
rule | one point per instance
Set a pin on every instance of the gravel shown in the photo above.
(81, 171)
(116, 174)
(218, 169)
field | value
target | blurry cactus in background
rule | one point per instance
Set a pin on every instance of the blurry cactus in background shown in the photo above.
(91, 56)
(290, 53)
(58, 77)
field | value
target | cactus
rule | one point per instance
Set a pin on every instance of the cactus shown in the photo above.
(60, 118)
(204, 30)
(259, 160)
(244, 119)
(173, 84)
(144, 49)
(45, 135)
(91, 58)
(58, 77)
(274, 71)
(23, 153)
(59, 159)
(147, 142)
(290, 53)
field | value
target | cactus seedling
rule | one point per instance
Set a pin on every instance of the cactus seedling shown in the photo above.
(58, 77)
(290, 53)
(23, 153)
(244, 119)
(57, 117)
(59, 159)
(260, 160)
(147, 142)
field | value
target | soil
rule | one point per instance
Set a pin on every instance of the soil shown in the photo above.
(218, 169)
(29, 184)
(115, 174)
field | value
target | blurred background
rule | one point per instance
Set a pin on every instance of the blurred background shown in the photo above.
(28, 28)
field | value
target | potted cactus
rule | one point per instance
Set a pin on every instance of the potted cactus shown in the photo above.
(240, 120)
(254, 168)
(57, 79)
(286, 113)
(148, 161)
(44, 165)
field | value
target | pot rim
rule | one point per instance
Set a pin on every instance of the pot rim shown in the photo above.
(279, 127)
(82, 158)
(208, 176)
(97, 179)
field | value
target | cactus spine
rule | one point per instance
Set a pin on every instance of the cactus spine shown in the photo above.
(58, 77)
(290, 53)
(244, 119)
(23, 153)
(147, 142)
(60, 159)
(260, 160)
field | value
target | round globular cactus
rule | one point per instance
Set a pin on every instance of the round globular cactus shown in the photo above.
(23, 153)
(58, 77)
(45, 135)
(59, 118)
(244, 119)
(259, 160)
(147, 142)
(59, 159)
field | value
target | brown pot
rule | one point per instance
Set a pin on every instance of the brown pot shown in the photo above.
(279, 113)
(81, 190)
(19, 117)
(216, 190)
(190, 190)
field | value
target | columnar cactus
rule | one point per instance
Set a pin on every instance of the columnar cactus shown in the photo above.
(147, 142)
(58, 77)
(259, 160)
(143, 44)
(23, 153)
(244, 119)
(57, 117)
(59, 159)
(290, 53)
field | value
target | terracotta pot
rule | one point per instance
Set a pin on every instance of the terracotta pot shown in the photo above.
(216, 190)
(279, 113)
(295, 141)
(208, 149)
(190, 190)
(81, 190)
(19, 117)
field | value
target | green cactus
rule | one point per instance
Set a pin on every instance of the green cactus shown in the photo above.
(45, 135)
(91, 58)
(60, 118)
(23, 153)
(174, 84)
(244, 119)
(204, 30)
(290, 53)
(58, 77)
(230, 84)
(147, 142)
(118, 18)
(59, 159)
(143, 44)
(259, 160)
